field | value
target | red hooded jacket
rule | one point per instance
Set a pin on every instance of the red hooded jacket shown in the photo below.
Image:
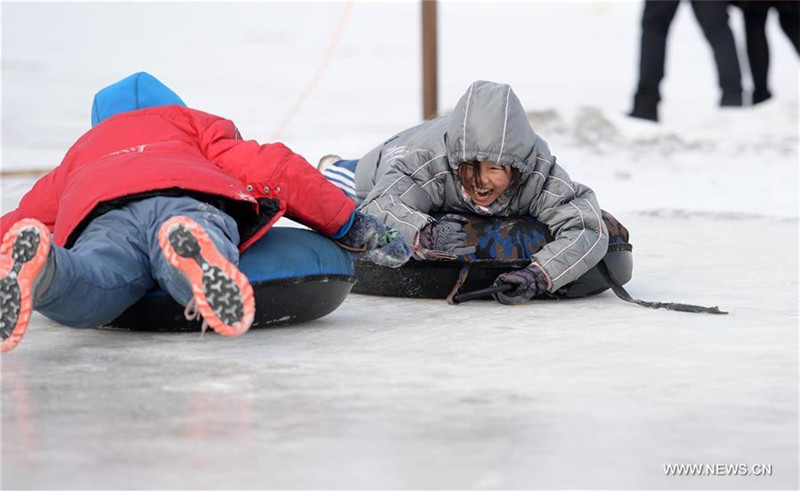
(177, 150)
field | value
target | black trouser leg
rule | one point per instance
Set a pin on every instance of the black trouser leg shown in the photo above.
(656, 19)
(713, 19)
(755, 20)
(789, 16)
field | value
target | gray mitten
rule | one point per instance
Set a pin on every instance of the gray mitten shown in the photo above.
(447, 235)
(527, 282)
(371, 239)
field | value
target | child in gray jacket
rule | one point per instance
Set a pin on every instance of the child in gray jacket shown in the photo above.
(483, 158)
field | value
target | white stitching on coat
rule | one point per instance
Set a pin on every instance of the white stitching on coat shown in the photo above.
(566, 184)
(583, 229)
(599, 237)
(505, 125)
(395, 217)
(435, 176)
(464, 126)
(410, 175)
(407, 190)
(409, 210)
(552, 193)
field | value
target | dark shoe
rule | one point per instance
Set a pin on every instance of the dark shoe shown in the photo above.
(23, 255)
(645, 106)
(731, 100)
(761, 96)
(650, 114)
(222, 294)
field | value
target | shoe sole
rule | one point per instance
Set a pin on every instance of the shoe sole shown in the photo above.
(327, 161)
(24, 253)
(222, 293)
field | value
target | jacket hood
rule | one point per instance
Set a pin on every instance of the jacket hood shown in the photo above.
(138, 91)
(489, 123)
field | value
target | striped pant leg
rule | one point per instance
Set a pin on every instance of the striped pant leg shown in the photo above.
(342, 174)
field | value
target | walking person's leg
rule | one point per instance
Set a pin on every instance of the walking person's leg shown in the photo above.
(656, 19)
(713, 19)
(789, 18)
(755, 20)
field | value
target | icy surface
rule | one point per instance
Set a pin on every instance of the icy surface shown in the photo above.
(409, 393)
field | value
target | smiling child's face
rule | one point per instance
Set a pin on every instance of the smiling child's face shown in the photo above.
(489, 183)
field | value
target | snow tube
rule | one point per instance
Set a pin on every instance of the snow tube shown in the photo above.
(502, 244)
(297, 276)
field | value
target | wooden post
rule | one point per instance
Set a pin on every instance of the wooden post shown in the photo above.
(430, 102)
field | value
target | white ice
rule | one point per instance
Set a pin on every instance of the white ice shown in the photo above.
(408, 393)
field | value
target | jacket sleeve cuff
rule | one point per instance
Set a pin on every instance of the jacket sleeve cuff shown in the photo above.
(534, 264)
(344, 228)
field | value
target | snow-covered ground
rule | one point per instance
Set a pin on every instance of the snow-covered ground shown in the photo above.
(409, 393)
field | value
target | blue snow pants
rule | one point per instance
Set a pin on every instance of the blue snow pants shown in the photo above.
(117, 259)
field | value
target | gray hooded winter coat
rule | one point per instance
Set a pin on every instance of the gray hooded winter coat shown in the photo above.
(415, 173)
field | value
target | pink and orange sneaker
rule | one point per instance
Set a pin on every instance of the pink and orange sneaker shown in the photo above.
(23, 254)
(222, 294)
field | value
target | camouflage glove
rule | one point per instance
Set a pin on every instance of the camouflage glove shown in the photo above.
(447, 236)
(370, 239)
(527, 282)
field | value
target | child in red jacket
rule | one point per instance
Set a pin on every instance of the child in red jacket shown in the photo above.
(157, 194)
